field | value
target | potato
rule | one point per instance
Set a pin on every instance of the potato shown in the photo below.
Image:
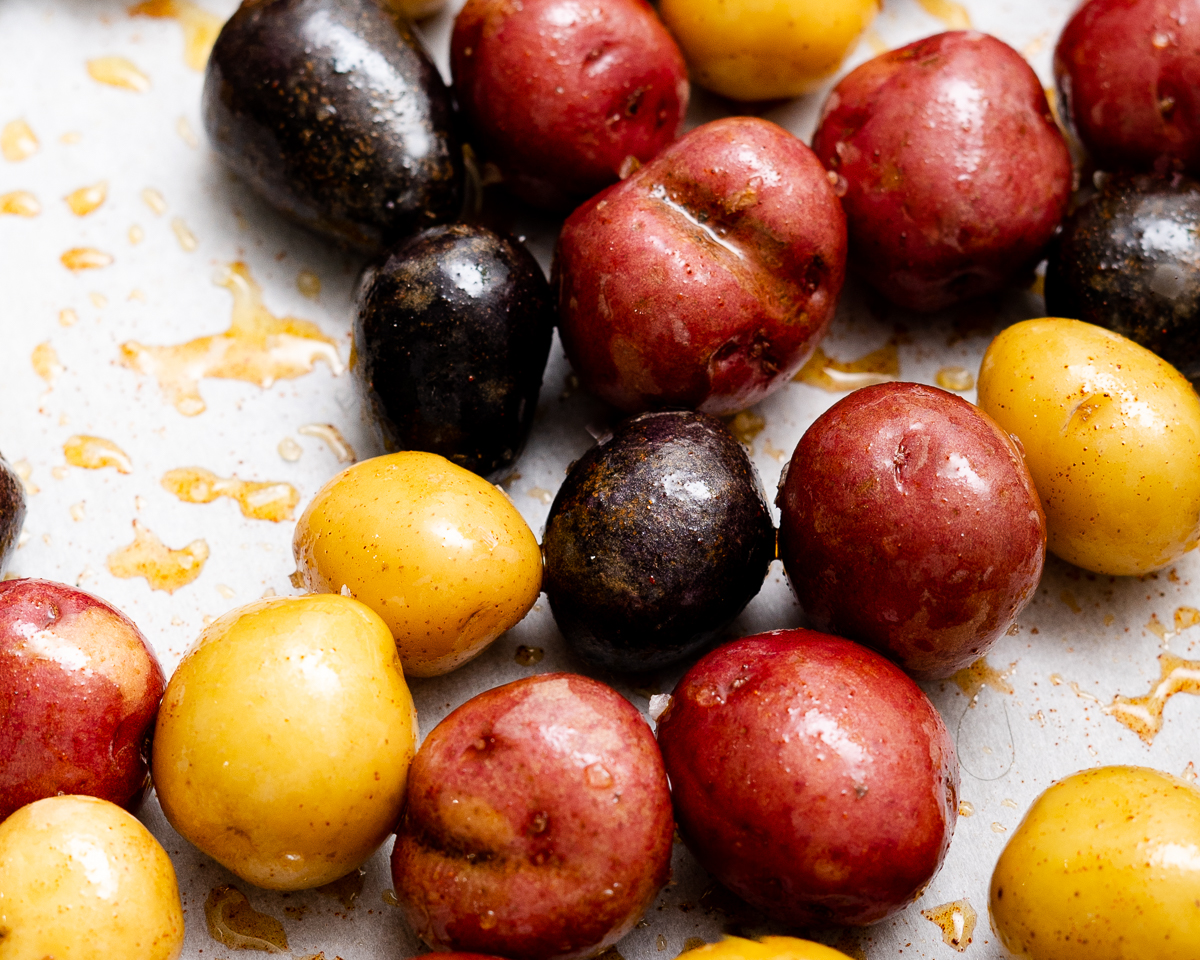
(1111, 435)
(909, 522)
(439, 553)
(810, 776)
(1128, 74)
(12, 512)
(562, 95)
(1105, 866)
(82, 879)
(538, 823)
(284, 740)
(764, 49)
(768, 948)
(705, 279)
(954, 171)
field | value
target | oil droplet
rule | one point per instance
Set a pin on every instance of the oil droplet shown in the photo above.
(1189, 772)
(746, 425)
(957, 921)
(184, 235)
(296, 579)
(1034, 46)
(877, 44)
(67, 318)
(1144, 715)
(155, 201)
(1056, 679)
(347, 889)
(691, 943)
(1157, 627)
(331, 436)
(597, 776)
(958, 379)
(118, 72)
(290, 450)
(17, 141)
(95, 453)
(1186, 617)
(1109, 619)
(971, 680)
(953, 15)
(60, 472)
(200, 28)
(71, 137)
(161, 567)
(1009, 802)
(389, 897)
(837, 376)
(45, 363)
(87, 199)
(186, 133)
(773, 452)
(20, 203)
(25, 472)
(233, 922)
(259, 501)
(999, 828)
(966, 808)
(99, 300)
(660, 943)
(309, 284)
(540, 494)
(227, 592)
(258, 348)
(85, 258)
(1083, 694)
(136, 234)
(528, 656)
(1068, 598)
(78, 511)
(136, 294)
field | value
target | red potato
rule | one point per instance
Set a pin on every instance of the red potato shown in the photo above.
(79, 692)
(1129, 75)
(955, 174)
(811, 777)
(538, 822)
(559, 93)
(909, 522)
(708, 277)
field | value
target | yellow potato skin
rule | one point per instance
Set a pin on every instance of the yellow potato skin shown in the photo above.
(284, 739)
(80, 878)
(1105, 866)
(764, 49)
(1111, 435)
(438, 552)
(768, 948)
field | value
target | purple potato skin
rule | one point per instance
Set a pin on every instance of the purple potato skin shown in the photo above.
(79, 694)
(1128, 72)
(956, 175)
(811, 777)
(910, 523)
(707, 278)
(12, 512)
(538, 823)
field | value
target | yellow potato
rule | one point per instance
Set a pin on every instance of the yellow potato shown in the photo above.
(768, 948)
(1111, 435)
(438, 552)
(1105, 866)
(763, 49)
(284, 740)
(80, 878)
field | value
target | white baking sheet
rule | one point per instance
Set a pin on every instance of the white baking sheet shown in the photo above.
(1083, 640)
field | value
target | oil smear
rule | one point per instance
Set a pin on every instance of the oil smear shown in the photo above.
(86, 200)
(258, 348)
(19, 203)
(971, 680)
(838, 376)
(85, 258)
(1144, 715)
(745, 425)
(347, 889)
(233, 922)
(958, 379)
(332, 438)
(259, 501)
(17, 141)
(200, 28)
(956, 920)
(95, 453)
(953, 15)
(45, 363)
(118, 72)
(160, 566)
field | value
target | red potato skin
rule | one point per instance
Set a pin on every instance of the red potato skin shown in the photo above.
(956, 175)
(559, 93)
(707, 278)
(909, 522)
(79, 693)
(538, 822)
(1128, 72)
(811, 777)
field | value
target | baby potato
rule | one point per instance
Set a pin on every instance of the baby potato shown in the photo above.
(438, 552)
(768, 948)
(284, 740)
(764, 49)
(1111, 435)
(1105, 866)
(81, 878)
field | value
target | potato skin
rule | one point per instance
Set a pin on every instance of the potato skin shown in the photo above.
(810, 776)
(558, 94)
(1103, 867)
(538, 822)
(910, 523)
(12, 512)
(1128, 72)
(705, 279)
(956, 175)
(1111, 435)
(768, 948)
